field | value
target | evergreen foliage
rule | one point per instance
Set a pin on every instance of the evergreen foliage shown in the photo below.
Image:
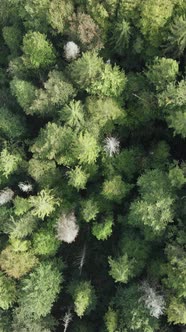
(92, 165)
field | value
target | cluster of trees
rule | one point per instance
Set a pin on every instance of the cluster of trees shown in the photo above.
(92, 165)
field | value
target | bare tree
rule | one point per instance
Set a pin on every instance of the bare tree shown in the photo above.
(67, 228)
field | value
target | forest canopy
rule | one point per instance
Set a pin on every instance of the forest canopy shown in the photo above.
(92, 166)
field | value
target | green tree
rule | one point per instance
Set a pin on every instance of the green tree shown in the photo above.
(86, 148)
(162, 72)
(115, 189)
(13, 37)
(43, 204)
(83, 295)
(103, 230)
(45, 242)
(36, 294)
(7, 292)
(38, 52)
(120, 36)
(154, 16)
(12, 125)
(59, 13)
(176, 39)
(73, 114)
(54, 142)
(89, 209)
(25, 93)
(111, 320)
(176, 311)
(132, 314)
(34, 14)
(121, 268)
(57, 92)
(17, 260)
(9, 162)
(155, 208)
(86, 69)
(78, 178)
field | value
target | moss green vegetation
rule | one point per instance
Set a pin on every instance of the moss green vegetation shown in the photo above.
(92, 166)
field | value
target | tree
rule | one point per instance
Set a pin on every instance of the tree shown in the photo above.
(36, 294)
(34, 14)
(103, 230)
(25, 92)
(57, 92)
(153, 18)
(155, 208)
(111, 320)
(162, 72)
(6, 195)
(120, 36)
(78, 178)
(7, 291)
(67, 228)
(73, 114)
(38, 52)
(111, 82)
(86, 148)
(45, 242)
(111, 146)
(115, 189)
(86, 69)
(12, 125)
(153, 301)
(176, 311)
(59, 13)
(89, 209)
(177, 122)
(13, 37)
(175, 269)
(85, 31)
(9, 162)
(84, 297)
(17, 259)
(43, 204)
(54, 142)
(132, 314)
(71, 51)
(176, 39)
(121, 268)
(103, 114)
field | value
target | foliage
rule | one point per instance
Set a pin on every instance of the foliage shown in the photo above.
(92, 165)
(84, 297)
(162, 72)
(78, 178)
(103, 230)
(59, 12)
(45, 243)
(115, 189)
(85, 31)
(111, 320)
(37, 296)
(11, 124)
(9, 162)
(17, 262)
(38, 52)
(176, 39)
(121, 269)
(7, 291)
(86, 148)
(43, 204)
